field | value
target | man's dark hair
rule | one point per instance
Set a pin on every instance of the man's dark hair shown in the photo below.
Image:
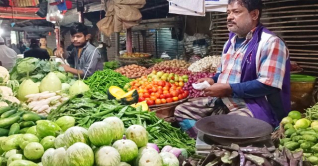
(79, 28)
(42, 37)
(250, 5)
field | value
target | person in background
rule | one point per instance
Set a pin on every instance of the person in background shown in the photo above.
(86, 57)
(43, 45)
(15, 48)
(8, 56)
(254, 77)
(22, 47)
(36, 52)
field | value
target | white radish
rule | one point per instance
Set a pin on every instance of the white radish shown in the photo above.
(64, 99)
(42, 108)
(37, 107)
(46, 96)
(47, 101)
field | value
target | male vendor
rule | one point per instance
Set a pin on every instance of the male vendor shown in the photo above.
(253, 78)
(86, 57)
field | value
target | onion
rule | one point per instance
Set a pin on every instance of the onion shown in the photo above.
(154, 146)
(166, 148)
(175, 151)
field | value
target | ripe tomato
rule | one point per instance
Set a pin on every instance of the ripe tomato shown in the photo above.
(152, 94)
(159, 87)
(179, 91)
(154, 98)
(162, 96)
(160, 91)
(150, 102)
(154, 89)
(146, 95)
(168, 85)
(184, 96)
(165, 88)
(163, 101)
(174, 86)
(169, 100)
(140, 94)
(149, 87)
(161, 83)
(180, 96)
(168, 95)
(158, 101)
(174, 93)
(176, 83)
(149, 91)
(186, 92)
(165, 92)
(175, 98)
(157, 95)
(141, 99)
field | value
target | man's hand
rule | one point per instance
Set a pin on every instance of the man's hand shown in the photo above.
(59, 52)
(66, 67)
(209, 80)
(218, 90)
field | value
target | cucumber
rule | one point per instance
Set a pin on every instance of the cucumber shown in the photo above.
(4, 132)
(8, 113)
(31, 117)
(27, 124)
(9, 121)
(14, 129)
(24, 130)
(5, 109)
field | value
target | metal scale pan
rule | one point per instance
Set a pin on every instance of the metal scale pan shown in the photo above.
(228, 129)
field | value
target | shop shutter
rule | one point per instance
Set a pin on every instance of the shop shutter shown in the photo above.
(296, 21)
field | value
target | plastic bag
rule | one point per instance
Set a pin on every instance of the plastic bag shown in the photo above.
(53, 13)
(201, 86)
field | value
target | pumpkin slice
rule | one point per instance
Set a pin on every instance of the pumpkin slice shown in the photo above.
(115, 92)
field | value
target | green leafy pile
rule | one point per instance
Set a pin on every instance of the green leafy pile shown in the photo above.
(36, 68)
(92, 107)
(100, 81)
(111, 65)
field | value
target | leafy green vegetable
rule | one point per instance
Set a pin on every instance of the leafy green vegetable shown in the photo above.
(111, 65)
(36, 68)
(93, 107)
(100, 81)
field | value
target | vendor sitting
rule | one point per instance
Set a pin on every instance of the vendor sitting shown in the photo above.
(86, 56)
(254, 77)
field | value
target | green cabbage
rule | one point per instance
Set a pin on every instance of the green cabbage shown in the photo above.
(27, 87)
(65, 122)
(50, 83)
(100, 134)
(59, 141)
(78, 87)
(138, 134)
(109, 153)
(169, 159)
(117, 127)
(127, 149)
(75, 134)
(79, 154)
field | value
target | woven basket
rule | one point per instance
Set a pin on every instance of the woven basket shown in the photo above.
(165, 111)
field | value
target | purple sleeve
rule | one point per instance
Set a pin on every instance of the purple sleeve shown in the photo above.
(252, 89)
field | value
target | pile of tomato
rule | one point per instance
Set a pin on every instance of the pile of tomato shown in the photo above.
(159, 92)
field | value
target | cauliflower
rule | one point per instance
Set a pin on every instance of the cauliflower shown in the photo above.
(11, 99)
(3, 104)
(4, 75)
(5, 91)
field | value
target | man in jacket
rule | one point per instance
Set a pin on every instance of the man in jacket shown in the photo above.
(86, 57)
(253, 79)
(36, 52)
